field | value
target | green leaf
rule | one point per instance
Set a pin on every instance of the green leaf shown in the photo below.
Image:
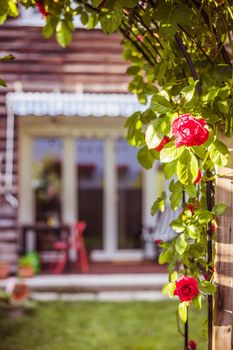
(182, 310)
(160, 104)
(111, 16)
(223, 106)
(187, 168)
(181, 244)
(204, 216)
(145, 157)
(166, 255)
(159, 204)
(3, 18)
(7, 58)
(219, 209)
(193, 231)
(169, 289)
(191, 190)
(176, 195)
(207, 288)
(63, 34)
(219, 153)
(173, 276)
(155, 132)
(84, 18)
(92, 21)
(133, 70)
(170, 152)
(188, 91)
(167, 30)
(48, 29)
(128, 3)
(197, 301)
(199, 151)
(3, 83)
(177, 225)
(12, 8)
(96, 3)
(169, 169)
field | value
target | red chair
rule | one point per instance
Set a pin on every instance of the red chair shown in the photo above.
(78, 244)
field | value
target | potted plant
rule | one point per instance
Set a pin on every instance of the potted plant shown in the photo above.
(26, 267)
(4, 269)
(15, 300)
(29, 265)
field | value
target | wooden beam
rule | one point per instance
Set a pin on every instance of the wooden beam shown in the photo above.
(223, 303)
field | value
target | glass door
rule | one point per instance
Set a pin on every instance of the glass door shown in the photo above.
(129, 194)
(90, 173)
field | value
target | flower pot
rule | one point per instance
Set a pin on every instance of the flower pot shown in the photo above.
(4, 270)
(20, 292)
(26, 271)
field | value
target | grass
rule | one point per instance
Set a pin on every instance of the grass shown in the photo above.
(100, 326)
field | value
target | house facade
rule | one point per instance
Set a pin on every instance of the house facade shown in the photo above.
(63, 153)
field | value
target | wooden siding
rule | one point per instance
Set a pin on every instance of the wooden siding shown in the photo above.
(92, 63)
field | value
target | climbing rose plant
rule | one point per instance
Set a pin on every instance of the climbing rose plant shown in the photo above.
(180, 56)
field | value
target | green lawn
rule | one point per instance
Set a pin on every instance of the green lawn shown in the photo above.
(100, 326)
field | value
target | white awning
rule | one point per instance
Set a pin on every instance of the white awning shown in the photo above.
(73, 104)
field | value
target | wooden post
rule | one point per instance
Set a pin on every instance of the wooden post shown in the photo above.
(223, 302)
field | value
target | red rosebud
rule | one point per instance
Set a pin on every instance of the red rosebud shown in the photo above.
(192, 345)
(41, 8)
(213, 228)
(199, 175)
(186, 288)
(190, 207)
(158, 241)
(189, 131)
(140, 37)
(164, 141)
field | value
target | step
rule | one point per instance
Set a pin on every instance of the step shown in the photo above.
(94, 283)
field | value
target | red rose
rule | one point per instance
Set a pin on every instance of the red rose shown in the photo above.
(186, 288)
(192, 345)
(158, 241)
(189, 131)
(199, 175)
(41, 8)
(164, 141)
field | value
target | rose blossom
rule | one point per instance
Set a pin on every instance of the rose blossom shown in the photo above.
(189, 131)
(186, 288)
(163, 142)
(199, 175)
(192, 345)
